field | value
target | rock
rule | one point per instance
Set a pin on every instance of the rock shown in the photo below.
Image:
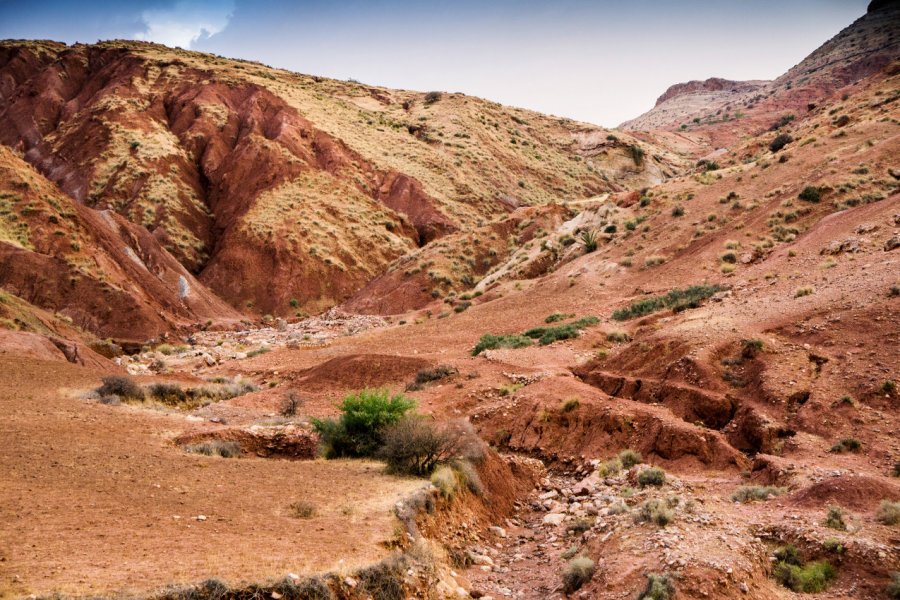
(498, 531)
(743, 587)
(549, 495)
(482, 559)
(554, 519)
(892, 243)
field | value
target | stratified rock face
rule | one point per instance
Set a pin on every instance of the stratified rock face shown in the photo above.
(713, 84)
(280, 191)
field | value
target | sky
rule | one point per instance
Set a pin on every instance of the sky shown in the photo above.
(600, 61)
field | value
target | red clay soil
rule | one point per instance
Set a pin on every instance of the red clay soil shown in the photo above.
(94, 496)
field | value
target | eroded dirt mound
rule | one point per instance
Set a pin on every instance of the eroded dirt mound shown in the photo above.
(858, 492)
(358, 371)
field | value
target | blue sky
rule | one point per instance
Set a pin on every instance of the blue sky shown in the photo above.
(601, 61)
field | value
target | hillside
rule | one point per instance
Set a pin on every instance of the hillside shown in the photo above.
(240, 170)
(651, 364)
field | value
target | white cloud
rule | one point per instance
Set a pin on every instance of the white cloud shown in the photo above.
(185, 22)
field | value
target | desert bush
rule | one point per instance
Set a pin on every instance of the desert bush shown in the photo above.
(654, 261)
(444, 479)
(570, 405)
(629, 458)
(302, 509)
(888, 513)
(439, 372)
(846, 445)
(659, 587)
(889, 387)
(617, 337)
(223, 448)
(728, 257)
(413, 446)
(167, 393)
(893, 588)
(385, 580)
(653, 476)
(581, 524)
(833, 545)
(810, 578)
(555, 317)
(311, 588)
(364, 415)
(803, 291)
(810, 194)
(291, 404)
(637, 154)
(490, 341)
(123, 387)
(784, 120)
(780, 142)
(548, 335)
(748, 493)
(578, 572)
(835, 518)
(677, 211)
(750, 348)
(589, 241)
(467, 475)
(654, 511)
(677, 299)
(432, 97)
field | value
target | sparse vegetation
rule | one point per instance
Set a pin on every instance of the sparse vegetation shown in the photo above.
(794, 575)
(749, 493)
(570, 405)
(846, 445)
(653, 476)
(659, 587)
(811, 194)
(835, 518)
(677, 299)
(556, 317)
(302, 509)
(893, 588)
(578, 572)
(803, 291)
(425, 376)
(123, 387)
(490, 341)
(654, 511)
(629, 458)
(780, 142)
(589, 241)
(888, 513)
(414, 446)
(550, 334)
(223, 448)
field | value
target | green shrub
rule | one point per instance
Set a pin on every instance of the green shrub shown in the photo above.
(780, 142)
(677, 299)
(629, 458)
(570, 405)
(578, 572)
(677, 211)
(167, 393)
(789, 555)
(804, 291)
(748, 493)
(589, 240)
(888, 512)
(811, 194)
(833, 545)
(889, 387)
(637, 154)
(811, 578)
(123, 387)
(653, 476)
(439, 372)
(659, 587)
(846, 445)
(835, 518)
(548, 335)
(750, 348)
(490, 341)
(363, 417)
(555, 317)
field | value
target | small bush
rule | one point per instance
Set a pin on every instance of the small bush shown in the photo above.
(846, 445)
(749, 493)
(555, 317)
(548, 335)
(629, 458)
(803, 291)
(413, 446)
(653, 476)
(589, 241)
(811, 578)
(677, 210)
(637, 154)
(750, 348)
(385, 580)
(893, 588)
(290, 405)
(835, 519)
(364, 415)
(123, 387)
(223, 448)
(677, 299)
(490, 341)
(888, 512)
(811, 194)
(578, 572)
(302, 509)
(659, 587)
(570, 405)
(654, 511)
(444, 479)
(167, 393)
(833, 545)
(617, 337)
(889, 387)
(440, 372)
(432, 97)
(728, 257)
(780, 142)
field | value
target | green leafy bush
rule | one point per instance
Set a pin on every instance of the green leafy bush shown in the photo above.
(358, 431)
(589, 240)
(677, 299)
(489, 341)
(846, 445)
(653, 476)
(810, 578)
(548, 335)
(659, 587)
(811, 194)
(629, 458)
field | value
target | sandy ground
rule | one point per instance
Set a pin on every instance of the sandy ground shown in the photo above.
(93, 503)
